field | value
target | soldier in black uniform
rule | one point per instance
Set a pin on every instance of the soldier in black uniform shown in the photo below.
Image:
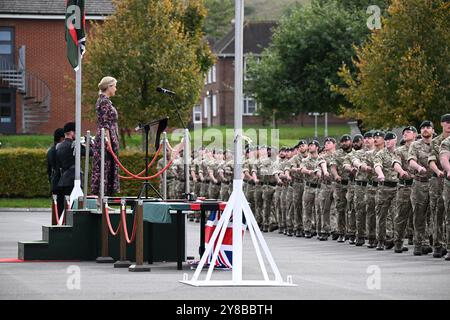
(52, 170)
(65, 161)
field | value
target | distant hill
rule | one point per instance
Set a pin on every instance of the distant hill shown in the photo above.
(268, 9)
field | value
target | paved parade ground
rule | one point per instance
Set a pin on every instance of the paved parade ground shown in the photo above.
(321, 270)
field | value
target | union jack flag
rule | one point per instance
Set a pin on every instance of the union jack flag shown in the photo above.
(225, 257)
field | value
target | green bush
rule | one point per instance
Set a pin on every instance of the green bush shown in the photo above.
(23, 173)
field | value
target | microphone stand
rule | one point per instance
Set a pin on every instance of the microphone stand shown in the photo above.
(147, 184)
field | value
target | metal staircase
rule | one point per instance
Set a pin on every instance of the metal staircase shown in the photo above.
(35, 95)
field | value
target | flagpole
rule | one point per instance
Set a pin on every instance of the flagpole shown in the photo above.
(77, 182)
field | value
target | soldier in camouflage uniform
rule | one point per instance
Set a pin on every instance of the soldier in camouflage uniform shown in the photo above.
(436, 189)
(444, 157)
(360, 187)
(178, 173)
(203, 173)
(249, 177)
(386, 166)
(226, 175)
(285, 177)
(214, 183)
(289, 194)
(403, 199)
(418, 154)
(298, 185)
(258, 195)
(342, 178)
(326, 188)
(309, 168)
(278, 196)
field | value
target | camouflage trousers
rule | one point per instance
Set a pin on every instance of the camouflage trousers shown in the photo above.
(284, 206)
(214, 190)
(420, 199)
(290, 216)
(310, 200)
(179, 189)
(325, 195)
(446, 198)
(298, 205)
(437, 211)
(268, 192)
(350, 211)
(360, 210)
(340, 196)
(277, 205)
(250, 195)
(370, 212)
(403, 212)
(225, 191)
(259, 204)
(204, 189)
(384, 199)
(197, 188)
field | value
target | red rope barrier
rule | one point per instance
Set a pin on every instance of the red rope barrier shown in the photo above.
(124, 223)
(133, 175)
(108, 221)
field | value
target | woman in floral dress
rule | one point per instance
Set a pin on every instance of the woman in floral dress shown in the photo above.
(106, 118)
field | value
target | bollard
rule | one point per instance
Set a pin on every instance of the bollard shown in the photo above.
(139, 266)
(122, 262)
(104, 258)
(54, 210)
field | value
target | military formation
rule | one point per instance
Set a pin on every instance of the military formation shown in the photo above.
(376, 190)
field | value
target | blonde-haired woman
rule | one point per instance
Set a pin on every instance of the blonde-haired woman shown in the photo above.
(106, 118)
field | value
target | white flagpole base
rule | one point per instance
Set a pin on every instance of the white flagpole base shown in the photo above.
(243, 283)
(237, 200)
(74, 195)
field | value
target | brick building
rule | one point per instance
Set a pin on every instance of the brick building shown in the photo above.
(34, 92)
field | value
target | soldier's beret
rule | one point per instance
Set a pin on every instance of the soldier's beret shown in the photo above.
(69, 126)
(346, 137)
(426, 123)
(390, 136)
(357, 137)
(411, 128)
(331, 139)
(301, 141)
(368, 134)
(283, 149)
(378, 134)
(445, 117)
(314, 142)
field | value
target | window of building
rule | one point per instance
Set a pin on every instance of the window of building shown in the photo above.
(205, 108)
(250, 106)
(214, 105)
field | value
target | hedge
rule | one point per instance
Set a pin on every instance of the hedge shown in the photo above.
(23, 173)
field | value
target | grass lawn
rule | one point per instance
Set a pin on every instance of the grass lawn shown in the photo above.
(288, 136)
(25, 203)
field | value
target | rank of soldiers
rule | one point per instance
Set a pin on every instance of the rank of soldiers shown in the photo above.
(374, 189)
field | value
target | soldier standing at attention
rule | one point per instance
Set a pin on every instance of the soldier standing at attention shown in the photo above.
(418, 154)
(342, 178)
(361, 181)
(258, 196)
(309, 169)
(403, 198)
(214, 183)
(278, 197)
(384, 163)
(250, 177)
(298, 185)
(289, 194)
(444, 157)
(436, 188)
(266, 169)
(326, 188)
(226, 175)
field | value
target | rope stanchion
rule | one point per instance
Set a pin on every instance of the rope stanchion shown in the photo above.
(122, 262)
(139, 266)
(104, 258)
(55, 216)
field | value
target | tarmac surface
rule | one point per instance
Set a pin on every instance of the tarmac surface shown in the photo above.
(321, 270)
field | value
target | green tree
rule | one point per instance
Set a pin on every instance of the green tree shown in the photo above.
(145, 44)
(219, 18)
(309, 45)
(403, 71)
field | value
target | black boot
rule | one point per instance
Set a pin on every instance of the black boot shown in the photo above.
(289, 233)
(299, 233)
(372, 243)
(308, 235)
(398, 248)
(341, 238)
(380, 245)
(389, 244)
(334, 236)
(417, 250)
(359, 241)
(447, 256)
(437, 252)
(352, 240)
(426, 249)
(410, 240)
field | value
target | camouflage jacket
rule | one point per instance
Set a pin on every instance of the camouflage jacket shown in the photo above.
(420, 151)
(402, 154)
(338, 159)
(310, 163)
(435, 148)
(386, 160)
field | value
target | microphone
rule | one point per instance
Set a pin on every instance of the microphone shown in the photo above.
(165, 91)
(139, 127)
